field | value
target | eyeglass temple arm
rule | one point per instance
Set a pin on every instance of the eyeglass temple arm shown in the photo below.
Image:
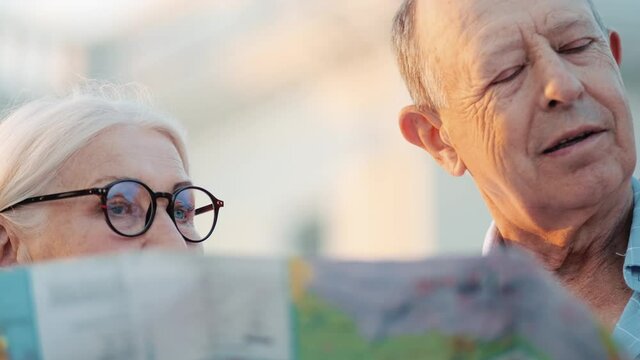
(218, 203)
(57, 196)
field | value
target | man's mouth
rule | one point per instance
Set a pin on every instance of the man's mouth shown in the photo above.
(570, 141)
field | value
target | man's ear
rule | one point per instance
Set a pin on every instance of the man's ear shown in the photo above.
(8, 247)
(615, 43)
(424, 129)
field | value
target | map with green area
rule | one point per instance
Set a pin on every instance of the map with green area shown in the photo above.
(325, 332)
(500, 307)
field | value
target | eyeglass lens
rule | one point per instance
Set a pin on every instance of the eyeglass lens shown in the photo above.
(193, 213)
(129, 206)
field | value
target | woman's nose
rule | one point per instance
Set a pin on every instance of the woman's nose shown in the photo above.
(163, 233)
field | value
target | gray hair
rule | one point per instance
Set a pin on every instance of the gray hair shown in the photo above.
(38, 138)
(423, 81)
(424, 84)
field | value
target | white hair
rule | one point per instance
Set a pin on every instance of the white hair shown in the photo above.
(424, 83)
(37, 138)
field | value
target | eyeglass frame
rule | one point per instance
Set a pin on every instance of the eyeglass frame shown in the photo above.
(103, 191)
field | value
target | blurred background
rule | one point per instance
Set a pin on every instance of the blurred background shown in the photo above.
(291, 108)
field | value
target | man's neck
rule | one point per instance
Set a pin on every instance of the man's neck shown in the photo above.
(590, 241)
(587, 258)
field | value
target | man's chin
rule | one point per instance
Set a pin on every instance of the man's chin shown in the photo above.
(584, 192)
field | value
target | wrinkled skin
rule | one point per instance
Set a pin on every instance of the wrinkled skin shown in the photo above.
(520, 76)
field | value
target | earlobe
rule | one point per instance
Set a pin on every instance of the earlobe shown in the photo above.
(424, 129)
(454, 164)
(615, 44)
(8, 250)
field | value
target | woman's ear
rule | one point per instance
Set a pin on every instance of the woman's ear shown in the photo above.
(424, 129)
(8, 246)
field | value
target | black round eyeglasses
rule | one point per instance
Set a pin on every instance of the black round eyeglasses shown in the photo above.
(130, 207)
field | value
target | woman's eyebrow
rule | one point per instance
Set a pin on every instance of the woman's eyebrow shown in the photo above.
(106, 179)
(182, 184)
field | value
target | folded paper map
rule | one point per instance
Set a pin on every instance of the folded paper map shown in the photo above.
(160, 305)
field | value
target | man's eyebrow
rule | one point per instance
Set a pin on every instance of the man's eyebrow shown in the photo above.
(501, 46)
(565, 24)
(493, 50)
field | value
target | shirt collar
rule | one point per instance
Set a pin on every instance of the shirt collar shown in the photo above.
(492, 239)
(632, 257)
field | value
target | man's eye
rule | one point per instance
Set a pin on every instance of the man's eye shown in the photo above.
(576, 46)
(508, 75)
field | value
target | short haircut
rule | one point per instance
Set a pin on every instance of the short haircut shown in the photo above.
(38, 138)
(422, 79)
(424, 86)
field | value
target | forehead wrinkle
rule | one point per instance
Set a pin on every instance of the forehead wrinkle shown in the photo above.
(451, 24)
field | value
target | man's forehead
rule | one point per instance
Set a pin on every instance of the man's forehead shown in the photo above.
(477, 28)
(437, 17)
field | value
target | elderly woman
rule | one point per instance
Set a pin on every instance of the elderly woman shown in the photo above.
(91, 173)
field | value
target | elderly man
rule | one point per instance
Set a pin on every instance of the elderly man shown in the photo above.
(527, 97)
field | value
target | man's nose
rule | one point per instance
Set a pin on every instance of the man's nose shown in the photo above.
(561, 85)
(163, 232)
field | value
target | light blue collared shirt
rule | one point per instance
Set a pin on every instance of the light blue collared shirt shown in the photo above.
(627, 331)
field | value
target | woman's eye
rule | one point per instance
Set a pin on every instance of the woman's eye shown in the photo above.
(119, 209)
(122, 208)
(576, 46)
(182, 214)
(508, 75)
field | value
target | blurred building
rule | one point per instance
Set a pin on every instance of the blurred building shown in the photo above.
(291, 108)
